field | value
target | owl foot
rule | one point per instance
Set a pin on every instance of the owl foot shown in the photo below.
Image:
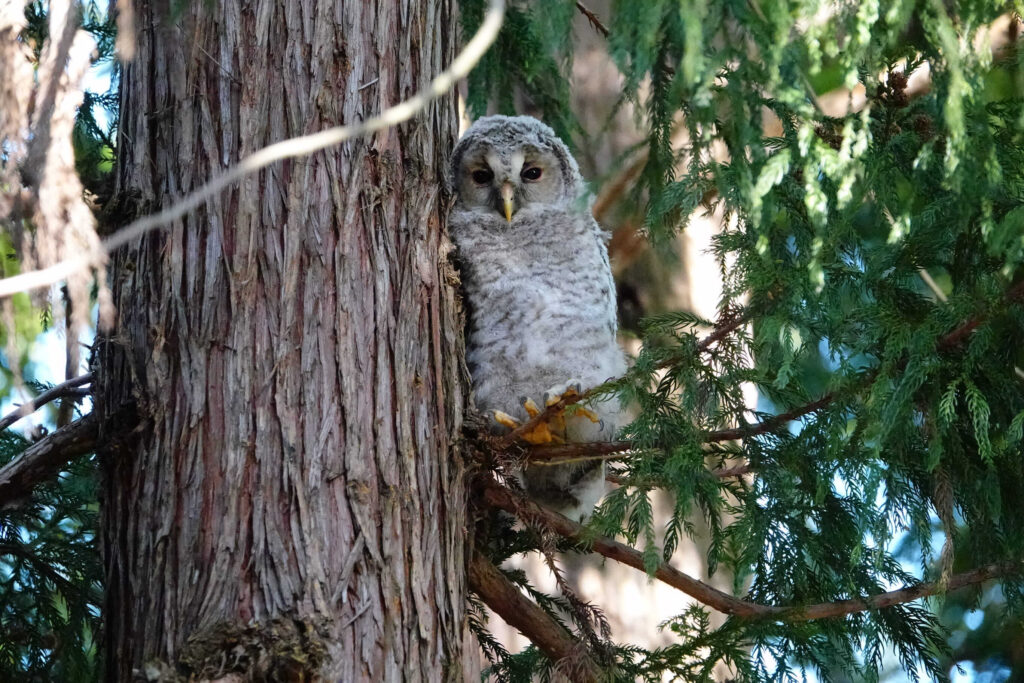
(552, 428)
(570, 389)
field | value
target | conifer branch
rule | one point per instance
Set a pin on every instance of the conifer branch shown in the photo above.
(957, 336)
(504, 499)
(718, 472)
(557, 454)
(500, 497)
(769, 425)
(827, 610)
(502, 596)
(604, 449)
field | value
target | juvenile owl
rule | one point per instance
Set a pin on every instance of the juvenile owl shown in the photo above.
(540, 293)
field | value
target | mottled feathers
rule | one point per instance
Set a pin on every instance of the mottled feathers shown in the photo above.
(539, 290)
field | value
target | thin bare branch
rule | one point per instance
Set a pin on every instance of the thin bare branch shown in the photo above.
(841, 608)
(559, 454)
(771, 424)
(51, 394)
(285, 149)
(720, 473)
(960, 334)
(735, 471)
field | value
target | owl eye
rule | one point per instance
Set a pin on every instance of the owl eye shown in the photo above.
(482, 176)
(532, 173)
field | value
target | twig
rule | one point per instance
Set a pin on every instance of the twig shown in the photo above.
(734, 471)
(286, 149)
(941, 296)
(720, 473)
(594, 21)
(769, 425)
(559, 453)
(53, 393)
(502, 596)
(841, 608)
(604, 448)
(724, 328)
(504, 499)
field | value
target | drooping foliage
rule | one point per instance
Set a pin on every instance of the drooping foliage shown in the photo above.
(875, 261)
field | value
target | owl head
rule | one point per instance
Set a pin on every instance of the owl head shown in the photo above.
(505, 164)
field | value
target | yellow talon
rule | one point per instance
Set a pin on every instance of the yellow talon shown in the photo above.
(531, 407)
(505, 420)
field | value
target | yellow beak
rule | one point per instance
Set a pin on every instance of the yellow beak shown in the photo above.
(506, 198)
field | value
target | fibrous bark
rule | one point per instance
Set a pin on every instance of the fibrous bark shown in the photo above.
(295, 347)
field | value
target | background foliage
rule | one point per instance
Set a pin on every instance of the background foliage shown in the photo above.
(833, 228)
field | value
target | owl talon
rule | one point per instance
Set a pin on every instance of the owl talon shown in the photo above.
(531, 407)
(505, 420)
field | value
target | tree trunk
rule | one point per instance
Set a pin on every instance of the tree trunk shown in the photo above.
(293, 506)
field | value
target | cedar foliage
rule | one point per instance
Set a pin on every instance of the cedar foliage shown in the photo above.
(829, 227)
(50, 577)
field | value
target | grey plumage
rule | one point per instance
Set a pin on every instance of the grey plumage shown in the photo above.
(539, 288)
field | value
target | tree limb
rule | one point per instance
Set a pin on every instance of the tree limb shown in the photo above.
(502, 498)
(45, 458)
(51, 394)
(502, 596)
(770, 424)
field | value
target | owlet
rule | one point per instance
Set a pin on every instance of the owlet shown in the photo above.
(539, 291)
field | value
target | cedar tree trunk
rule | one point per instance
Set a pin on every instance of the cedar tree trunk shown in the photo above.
(291, 507)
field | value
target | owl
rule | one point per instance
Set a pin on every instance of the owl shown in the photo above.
(539, 291)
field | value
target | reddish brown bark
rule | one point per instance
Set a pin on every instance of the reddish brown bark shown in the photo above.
(295, 346)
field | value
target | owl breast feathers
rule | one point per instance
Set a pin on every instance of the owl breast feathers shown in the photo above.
(539, 290)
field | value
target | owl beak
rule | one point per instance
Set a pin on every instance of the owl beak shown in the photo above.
(506, 199)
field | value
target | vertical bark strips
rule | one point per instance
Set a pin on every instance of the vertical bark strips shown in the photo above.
(295, 344)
